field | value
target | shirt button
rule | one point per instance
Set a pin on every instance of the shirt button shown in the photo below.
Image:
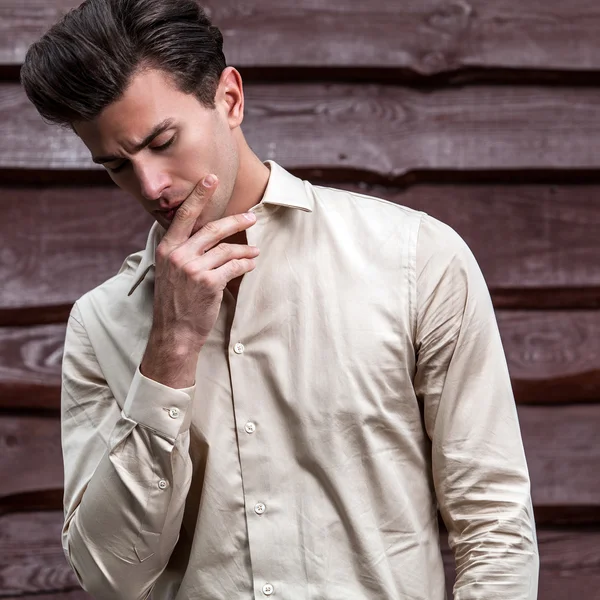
(267, 589)
(173, 413)
(250, 427)
(238, 348)
(259, 508)
(162, 484)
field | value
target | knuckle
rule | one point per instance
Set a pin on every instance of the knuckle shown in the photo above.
(176, 258)
(189, 269)
(225, 248)
(161, 252)
(239, 265)
(184, 212)
(206, 280)
(211, 227)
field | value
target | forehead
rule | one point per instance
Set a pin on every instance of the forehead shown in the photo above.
(150, 98)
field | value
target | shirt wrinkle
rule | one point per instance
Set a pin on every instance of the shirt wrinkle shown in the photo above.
(354, 387)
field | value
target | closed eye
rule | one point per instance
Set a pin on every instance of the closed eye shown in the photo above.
(159, 148)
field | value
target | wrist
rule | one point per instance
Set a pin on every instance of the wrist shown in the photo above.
(170, 361)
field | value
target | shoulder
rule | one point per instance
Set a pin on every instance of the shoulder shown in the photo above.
(368, 216)
(336, 198)
(439, 242)
(109, 301)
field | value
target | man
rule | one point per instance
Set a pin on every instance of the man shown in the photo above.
(277, 394)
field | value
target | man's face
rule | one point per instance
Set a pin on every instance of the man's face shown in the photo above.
(183, 142)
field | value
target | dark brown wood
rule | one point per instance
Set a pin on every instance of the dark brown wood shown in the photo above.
(32, 561)
(560, 443)
(383, 132)
(30, 366)
(537, 244)
(31, 556)
(60, 243)
(552, 355)
(426, 38)
(552, 358)
(31, 455)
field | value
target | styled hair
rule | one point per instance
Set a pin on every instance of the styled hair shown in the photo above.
(85, 62)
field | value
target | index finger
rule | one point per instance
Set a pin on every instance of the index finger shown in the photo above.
(186, 215)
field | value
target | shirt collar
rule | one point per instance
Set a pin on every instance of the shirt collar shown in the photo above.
(283, 189)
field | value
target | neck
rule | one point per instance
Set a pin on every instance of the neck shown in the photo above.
(251, 181)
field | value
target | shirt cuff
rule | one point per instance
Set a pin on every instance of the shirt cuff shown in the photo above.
(158, 407)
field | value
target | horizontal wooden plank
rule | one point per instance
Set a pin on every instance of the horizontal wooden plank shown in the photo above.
(560, 443)
(552, 355)
(30, 366)
(384, 132)
(425, 37)
(68, 240)
(537, 244)
(31, 556)
(552, 358)
(32, 560)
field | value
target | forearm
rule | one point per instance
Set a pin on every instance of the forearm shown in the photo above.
(122, 534)
(478, 462)
(169, 360)
(123, 511)
(492, 535)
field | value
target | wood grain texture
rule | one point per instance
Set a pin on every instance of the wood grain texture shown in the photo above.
(32, 560)
(553, 357)
(560, 444)
(383, 132)
(424, 37)
(30, 366)
(537, 245)
(31, 455)
(68, 240)
(31, 556)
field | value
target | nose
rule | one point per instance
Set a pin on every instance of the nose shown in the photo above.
(153, 180)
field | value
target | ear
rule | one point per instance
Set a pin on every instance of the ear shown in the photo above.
(230, 96)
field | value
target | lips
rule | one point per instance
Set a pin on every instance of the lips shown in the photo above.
(169, 214)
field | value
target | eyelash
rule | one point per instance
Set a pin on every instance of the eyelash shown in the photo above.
(163, 147)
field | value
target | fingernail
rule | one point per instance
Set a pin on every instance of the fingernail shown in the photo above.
(209, 180)
(250, 216)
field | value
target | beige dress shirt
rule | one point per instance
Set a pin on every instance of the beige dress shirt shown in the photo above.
(358, 385)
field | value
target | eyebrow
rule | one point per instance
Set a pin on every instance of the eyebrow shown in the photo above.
(163, 126)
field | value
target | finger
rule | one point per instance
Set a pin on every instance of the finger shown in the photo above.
(215, 231)
(187, 214)
(223, 253)
(232, 269)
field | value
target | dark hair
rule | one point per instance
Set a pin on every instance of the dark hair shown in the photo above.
(85, 62)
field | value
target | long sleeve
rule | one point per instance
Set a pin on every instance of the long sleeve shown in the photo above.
(127, 473)
(478, 462)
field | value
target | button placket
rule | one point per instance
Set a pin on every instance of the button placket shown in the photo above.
(250, 447)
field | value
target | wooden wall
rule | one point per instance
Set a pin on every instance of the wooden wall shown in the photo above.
(484, 113)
